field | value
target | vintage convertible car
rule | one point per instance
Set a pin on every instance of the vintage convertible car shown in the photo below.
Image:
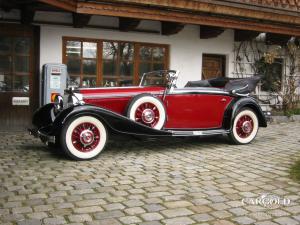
(80, 121)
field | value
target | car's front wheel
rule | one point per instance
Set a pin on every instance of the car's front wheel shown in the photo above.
(245, 127)
(83, 137)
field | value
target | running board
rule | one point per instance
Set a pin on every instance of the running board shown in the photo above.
(198, 132)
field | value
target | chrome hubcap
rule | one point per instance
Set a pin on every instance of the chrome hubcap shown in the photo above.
(247, 127)
(147, 113)
(148, 116)
(86, 137)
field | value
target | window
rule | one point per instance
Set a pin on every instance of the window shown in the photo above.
(81, 60)
(271, 74)
(14, 63)
(94, 63)
(151, 58)
(118, 61)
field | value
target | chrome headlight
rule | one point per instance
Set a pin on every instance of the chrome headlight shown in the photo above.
(58, 102)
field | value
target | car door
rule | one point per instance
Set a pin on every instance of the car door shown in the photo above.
(199, 109)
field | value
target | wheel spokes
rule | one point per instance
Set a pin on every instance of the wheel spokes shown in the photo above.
(85, 137)
(147, 113)
(244, 126)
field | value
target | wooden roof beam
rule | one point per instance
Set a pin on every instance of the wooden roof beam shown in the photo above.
(207, 32)
(7, 6)
(182, 17)
(69, 5)
(27, 14)
(128, 24)
(245, 35)
(229, 8)
(277, 39)
(170, 28)
(81, 20)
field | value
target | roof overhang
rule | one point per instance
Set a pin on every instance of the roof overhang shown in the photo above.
(225, 14)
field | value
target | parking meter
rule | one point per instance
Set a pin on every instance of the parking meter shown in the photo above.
(54, 81)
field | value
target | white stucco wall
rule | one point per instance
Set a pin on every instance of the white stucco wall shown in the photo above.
(186, 48)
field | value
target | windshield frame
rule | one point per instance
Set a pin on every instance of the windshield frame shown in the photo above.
(171, 77)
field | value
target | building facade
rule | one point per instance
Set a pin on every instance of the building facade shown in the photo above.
(112, 43)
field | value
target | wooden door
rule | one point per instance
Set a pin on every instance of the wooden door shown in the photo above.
(213, 66)
(18, 81)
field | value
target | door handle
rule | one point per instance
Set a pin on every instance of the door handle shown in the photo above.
(223, 100)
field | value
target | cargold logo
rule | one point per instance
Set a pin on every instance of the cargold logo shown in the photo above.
(267, 200)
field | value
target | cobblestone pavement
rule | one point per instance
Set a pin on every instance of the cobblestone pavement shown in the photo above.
(169, 181)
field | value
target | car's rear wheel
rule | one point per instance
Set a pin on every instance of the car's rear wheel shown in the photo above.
(245, 127)
(83, 137)
(148, 110)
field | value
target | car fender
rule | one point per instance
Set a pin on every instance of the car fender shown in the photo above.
(236, 105)
(113, 121)
(43, 116)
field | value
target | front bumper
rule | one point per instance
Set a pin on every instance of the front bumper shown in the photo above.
(43, 136)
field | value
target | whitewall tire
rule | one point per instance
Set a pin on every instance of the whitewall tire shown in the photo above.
(245, 127)
(83, 137)
(147, 110)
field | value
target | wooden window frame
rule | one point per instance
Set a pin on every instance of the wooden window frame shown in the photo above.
(81, 58)
(99, 65)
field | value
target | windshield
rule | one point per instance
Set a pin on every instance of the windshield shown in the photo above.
(157, 78)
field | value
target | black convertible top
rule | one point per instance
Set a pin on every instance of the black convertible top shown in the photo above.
(214, 82)
(242, 86)
(239, 86)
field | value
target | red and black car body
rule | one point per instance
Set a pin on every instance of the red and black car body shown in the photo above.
(80, 121)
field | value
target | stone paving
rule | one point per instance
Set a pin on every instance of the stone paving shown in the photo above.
(153, 181)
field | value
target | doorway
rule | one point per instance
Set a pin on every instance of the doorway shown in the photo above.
(19, 89)
(213, 66)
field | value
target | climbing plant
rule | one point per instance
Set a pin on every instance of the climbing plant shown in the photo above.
(277, 66)
(290, 83)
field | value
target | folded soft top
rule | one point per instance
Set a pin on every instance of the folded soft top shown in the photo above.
(219, 82)
(239, 86)
(242, 86)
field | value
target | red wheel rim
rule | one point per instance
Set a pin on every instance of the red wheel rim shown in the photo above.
(244, 126)
(85, 137)
(147, 114)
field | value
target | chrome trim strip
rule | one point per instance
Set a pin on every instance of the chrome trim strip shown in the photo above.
(105, 88)
(199, 90)
(117, 95)
(174, 92)
(198, 132)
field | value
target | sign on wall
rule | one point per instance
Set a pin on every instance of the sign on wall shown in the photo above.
(20, 101)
